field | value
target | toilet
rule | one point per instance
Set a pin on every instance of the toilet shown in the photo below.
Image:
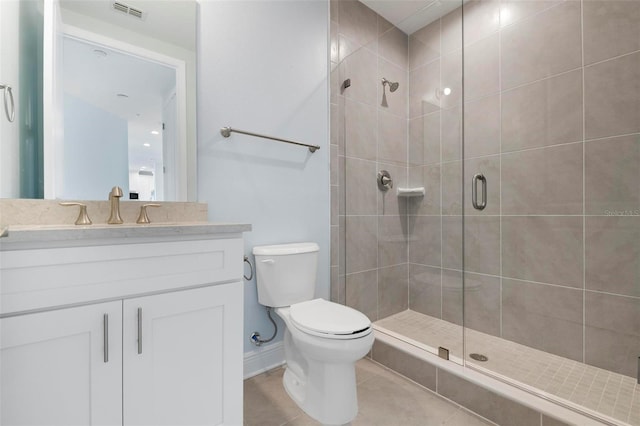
(323, 340)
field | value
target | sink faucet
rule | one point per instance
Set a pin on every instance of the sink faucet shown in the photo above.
(114, 198)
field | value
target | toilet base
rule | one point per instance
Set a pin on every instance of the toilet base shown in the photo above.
(328, 394)
(320, 374)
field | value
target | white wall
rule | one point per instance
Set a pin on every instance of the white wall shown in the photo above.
(96, 152)
(262, 67)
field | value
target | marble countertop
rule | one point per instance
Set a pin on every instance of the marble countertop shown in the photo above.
(57, 233)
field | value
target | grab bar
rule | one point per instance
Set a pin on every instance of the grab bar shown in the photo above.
(226, 132)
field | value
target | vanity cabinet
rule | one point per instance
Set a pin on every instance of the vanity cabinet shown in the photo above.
(143, 333)
(53, 367)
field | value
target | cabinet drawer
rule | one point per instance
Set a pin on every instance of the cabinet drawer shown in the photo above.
(41, 278)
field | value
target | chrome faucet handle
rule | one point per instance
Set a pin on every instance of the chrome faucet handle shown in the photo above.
(83, 217)
(143, 217)
(114, 198)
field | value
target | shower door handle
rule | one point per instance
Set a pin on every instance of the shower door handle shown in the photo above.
(474, 191)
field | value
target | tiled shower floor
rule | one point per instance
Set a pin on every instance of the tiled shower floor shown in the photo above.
(611, 394)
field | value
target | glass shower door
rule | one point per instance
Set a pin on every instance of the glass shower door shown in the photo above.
(397, 215)
(551, 212)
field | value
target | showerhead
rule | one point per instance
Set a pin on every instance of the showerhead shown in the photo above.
(392, 86)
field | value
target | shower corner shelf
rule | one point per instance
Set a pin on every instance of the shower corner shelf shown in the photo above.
(411, 192)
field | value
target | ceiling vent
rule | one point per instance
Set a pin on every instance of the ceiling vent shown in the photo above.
(124, 8)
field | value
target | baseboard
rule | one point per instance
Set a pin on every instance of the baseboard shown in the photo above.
(263, 359)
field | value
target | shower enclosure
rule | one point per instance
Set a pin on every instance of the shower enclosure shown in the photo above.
(485, 195)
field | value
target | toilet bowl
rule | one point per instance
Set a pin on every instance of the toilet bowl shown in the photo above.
(323, 340)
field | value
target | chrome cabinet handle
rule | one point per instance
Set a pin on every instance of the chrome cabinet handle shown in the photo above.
(474, 191)
(10, 112)
(105, 327)
(139, 331)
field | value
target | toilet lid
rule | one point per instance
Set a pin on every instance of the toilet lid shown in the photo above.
(319, 316)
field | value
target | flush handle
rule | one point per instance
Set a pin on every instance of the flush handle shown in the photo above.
(268, 261)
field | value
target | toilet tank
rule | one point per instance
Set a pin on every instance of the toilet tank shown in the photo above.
(286, 273)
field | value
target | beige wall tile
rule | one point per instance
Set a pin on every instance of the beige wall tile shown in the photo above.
(450, 78)
(547, 44)
(424, 45)
(361, 188)
(358, 22)
(452, 188)
(543, 181)
(337, 285)
(512, 11)
(612, 97)
(415, 369)
(451, 31)
(392, 138)
(452, 296)
(482, 244)
(429, 178)
(424, 139)
(544, 113)
(482, 304)
(543, 248)
(362, 293)
(613, 250)
(482, 127)
(393, 290)
(361, 67)
(383, 25)
(542, 316)
(333, 164)
(423, 83)
(611, 175)
(451, 130)
(393, 46)
(612, 334)
(392, 240)
(550, 421)
(489, 405)
(611, 28)
(424, 240)
(362, 243)
(481, 18)
(482, 68)
(425, 289)
(360, 130)
(335, 252)
(452, 242)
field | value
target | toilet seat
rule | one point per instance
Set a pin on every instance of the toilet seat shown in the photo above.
(329, 320)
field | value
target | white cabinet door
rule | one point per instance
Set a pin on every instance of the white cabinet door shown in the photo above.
(59, 368)
(187, 368)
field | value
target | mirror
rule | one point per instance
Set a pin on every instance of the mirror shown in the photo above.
(118, 101)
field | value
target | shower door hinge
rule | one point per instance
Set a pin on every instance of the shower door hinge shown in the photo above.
(443, 353)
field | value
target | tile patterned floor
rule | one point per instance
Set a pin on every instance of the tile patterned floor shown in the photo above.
(384, 398)
(609, 393)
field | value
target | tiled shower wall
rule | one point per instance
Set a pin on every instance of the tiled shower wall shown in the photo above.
(369, 133)
(552, 119)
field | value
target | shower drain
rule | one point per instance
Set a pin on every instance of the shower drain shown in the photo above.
(479, 357)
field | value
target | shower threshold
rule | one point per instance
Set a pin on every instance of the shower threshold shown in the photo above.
(609, 397)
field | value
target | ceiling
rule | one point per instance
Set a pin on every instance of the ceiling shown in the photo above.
(172, 21)
(411, 15)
